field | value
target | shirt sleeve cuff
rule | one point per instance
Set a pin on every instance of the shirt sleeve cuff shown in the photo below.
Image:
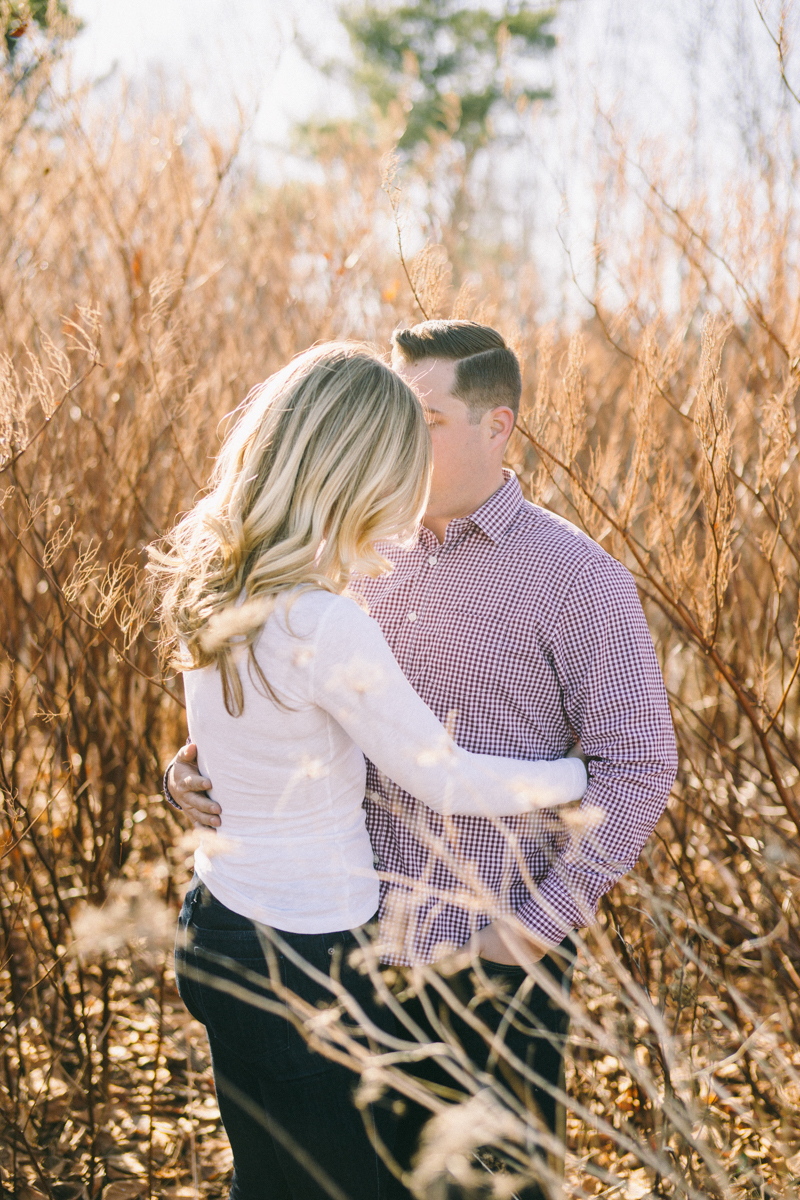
(168, 796)
(553, 912)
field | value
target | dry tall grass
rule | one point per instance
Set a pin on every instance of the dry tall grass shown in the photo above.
(146, 281)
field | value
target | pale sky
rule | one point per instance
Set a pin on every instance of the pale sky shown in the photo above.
(696, 79)
(653, 57)
(224, 49)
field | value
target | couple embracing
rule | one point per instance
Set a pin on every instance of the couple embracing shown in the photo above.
(396, 668)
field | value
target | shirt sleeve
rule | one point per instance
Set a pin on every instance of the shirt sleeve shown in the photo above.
(356, 679)
(615, 700)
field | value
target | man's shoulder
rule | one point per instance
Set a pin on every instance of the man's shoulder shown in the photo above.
(551, 539)
(540, 555)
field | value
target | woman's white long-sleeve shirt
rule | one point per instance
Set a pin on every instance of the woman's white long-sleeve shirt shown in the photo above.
(292, 850)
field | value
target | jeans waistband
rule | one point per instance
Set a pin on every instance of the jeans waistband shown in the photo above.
(201, 903)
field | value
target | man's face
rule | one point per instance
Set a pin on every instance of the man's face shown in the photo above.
(465, 454)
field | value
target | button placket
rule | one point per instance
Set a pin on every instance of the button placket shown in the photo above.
(413, 619)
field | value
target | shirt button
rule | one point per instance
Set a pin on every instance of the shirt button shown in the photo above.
(412, 616)
(432, 561)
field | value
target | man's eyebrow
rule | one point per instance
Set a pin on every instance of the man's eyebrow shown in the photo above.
(437, 412)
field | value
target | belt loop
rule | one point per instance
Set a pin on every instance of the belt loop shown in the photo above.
(196, 898)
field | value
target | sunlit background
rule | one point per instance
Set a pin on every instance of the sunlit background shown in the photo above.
(692, 84)
(190, 194)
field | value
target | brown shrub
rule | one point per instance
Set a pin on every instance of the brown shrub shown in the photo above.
(147, 280)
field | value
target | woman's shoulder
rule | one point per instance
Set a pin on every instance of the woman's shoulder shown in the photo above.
(309, 612)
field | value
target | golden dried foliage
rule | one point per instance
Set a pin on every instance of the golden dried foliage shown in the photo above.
(146, 284)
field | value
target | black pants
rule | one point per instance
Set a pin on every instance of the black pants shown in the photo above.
(288, 1112)
(534, 1028)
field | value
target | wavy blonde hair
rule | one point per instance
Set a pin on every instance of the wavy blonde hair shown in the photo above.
(328, 457)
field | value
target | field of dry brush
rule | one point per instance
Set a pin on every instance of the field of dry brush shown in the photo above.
(147, 280)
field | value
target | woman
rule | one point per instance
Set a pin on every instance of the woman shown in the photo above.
(289, 684)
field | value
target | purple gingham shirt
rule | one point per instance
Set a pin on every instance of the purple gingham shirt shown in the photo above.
(520, 633)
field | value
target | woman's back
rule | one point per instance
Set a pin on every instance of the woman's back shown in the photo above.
(293, 851)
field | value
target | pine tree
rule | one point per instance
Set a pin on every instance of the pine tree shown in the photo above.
(451, 67)
(19, 17)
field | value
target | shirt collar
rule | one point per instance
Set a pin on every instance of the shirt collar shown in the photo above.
(492, 518)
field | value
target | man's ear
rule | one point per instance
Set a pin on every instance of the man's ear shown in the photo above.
(501, 422)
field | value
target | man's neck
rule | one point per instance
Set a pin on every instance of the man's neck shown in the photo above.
(437, 526)
(438, 523)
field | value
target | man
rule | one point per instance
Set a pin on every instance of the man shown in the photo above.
(521, 634)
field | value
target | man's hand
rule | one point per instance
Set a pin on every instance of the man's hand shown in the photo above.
(506, 941)
(189, 789)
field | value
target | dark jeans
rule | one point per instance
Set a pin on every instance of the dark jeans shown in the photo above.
(288, 1112)
(535, 1028)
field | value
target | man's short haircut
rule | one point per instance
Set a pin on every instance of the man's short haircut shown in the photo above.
(487, 372)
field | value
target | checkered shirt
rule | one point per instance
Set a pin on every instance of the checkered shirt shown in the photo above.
(520, 633)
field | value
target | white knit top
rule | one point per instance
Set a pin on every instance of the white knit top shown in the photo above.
(292, 850)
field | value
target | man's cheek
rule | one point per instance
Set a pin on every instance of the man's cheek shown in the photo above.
(441, 445)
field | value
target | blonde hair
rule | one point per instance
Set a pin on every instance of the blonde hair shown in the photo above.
(328, 457)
